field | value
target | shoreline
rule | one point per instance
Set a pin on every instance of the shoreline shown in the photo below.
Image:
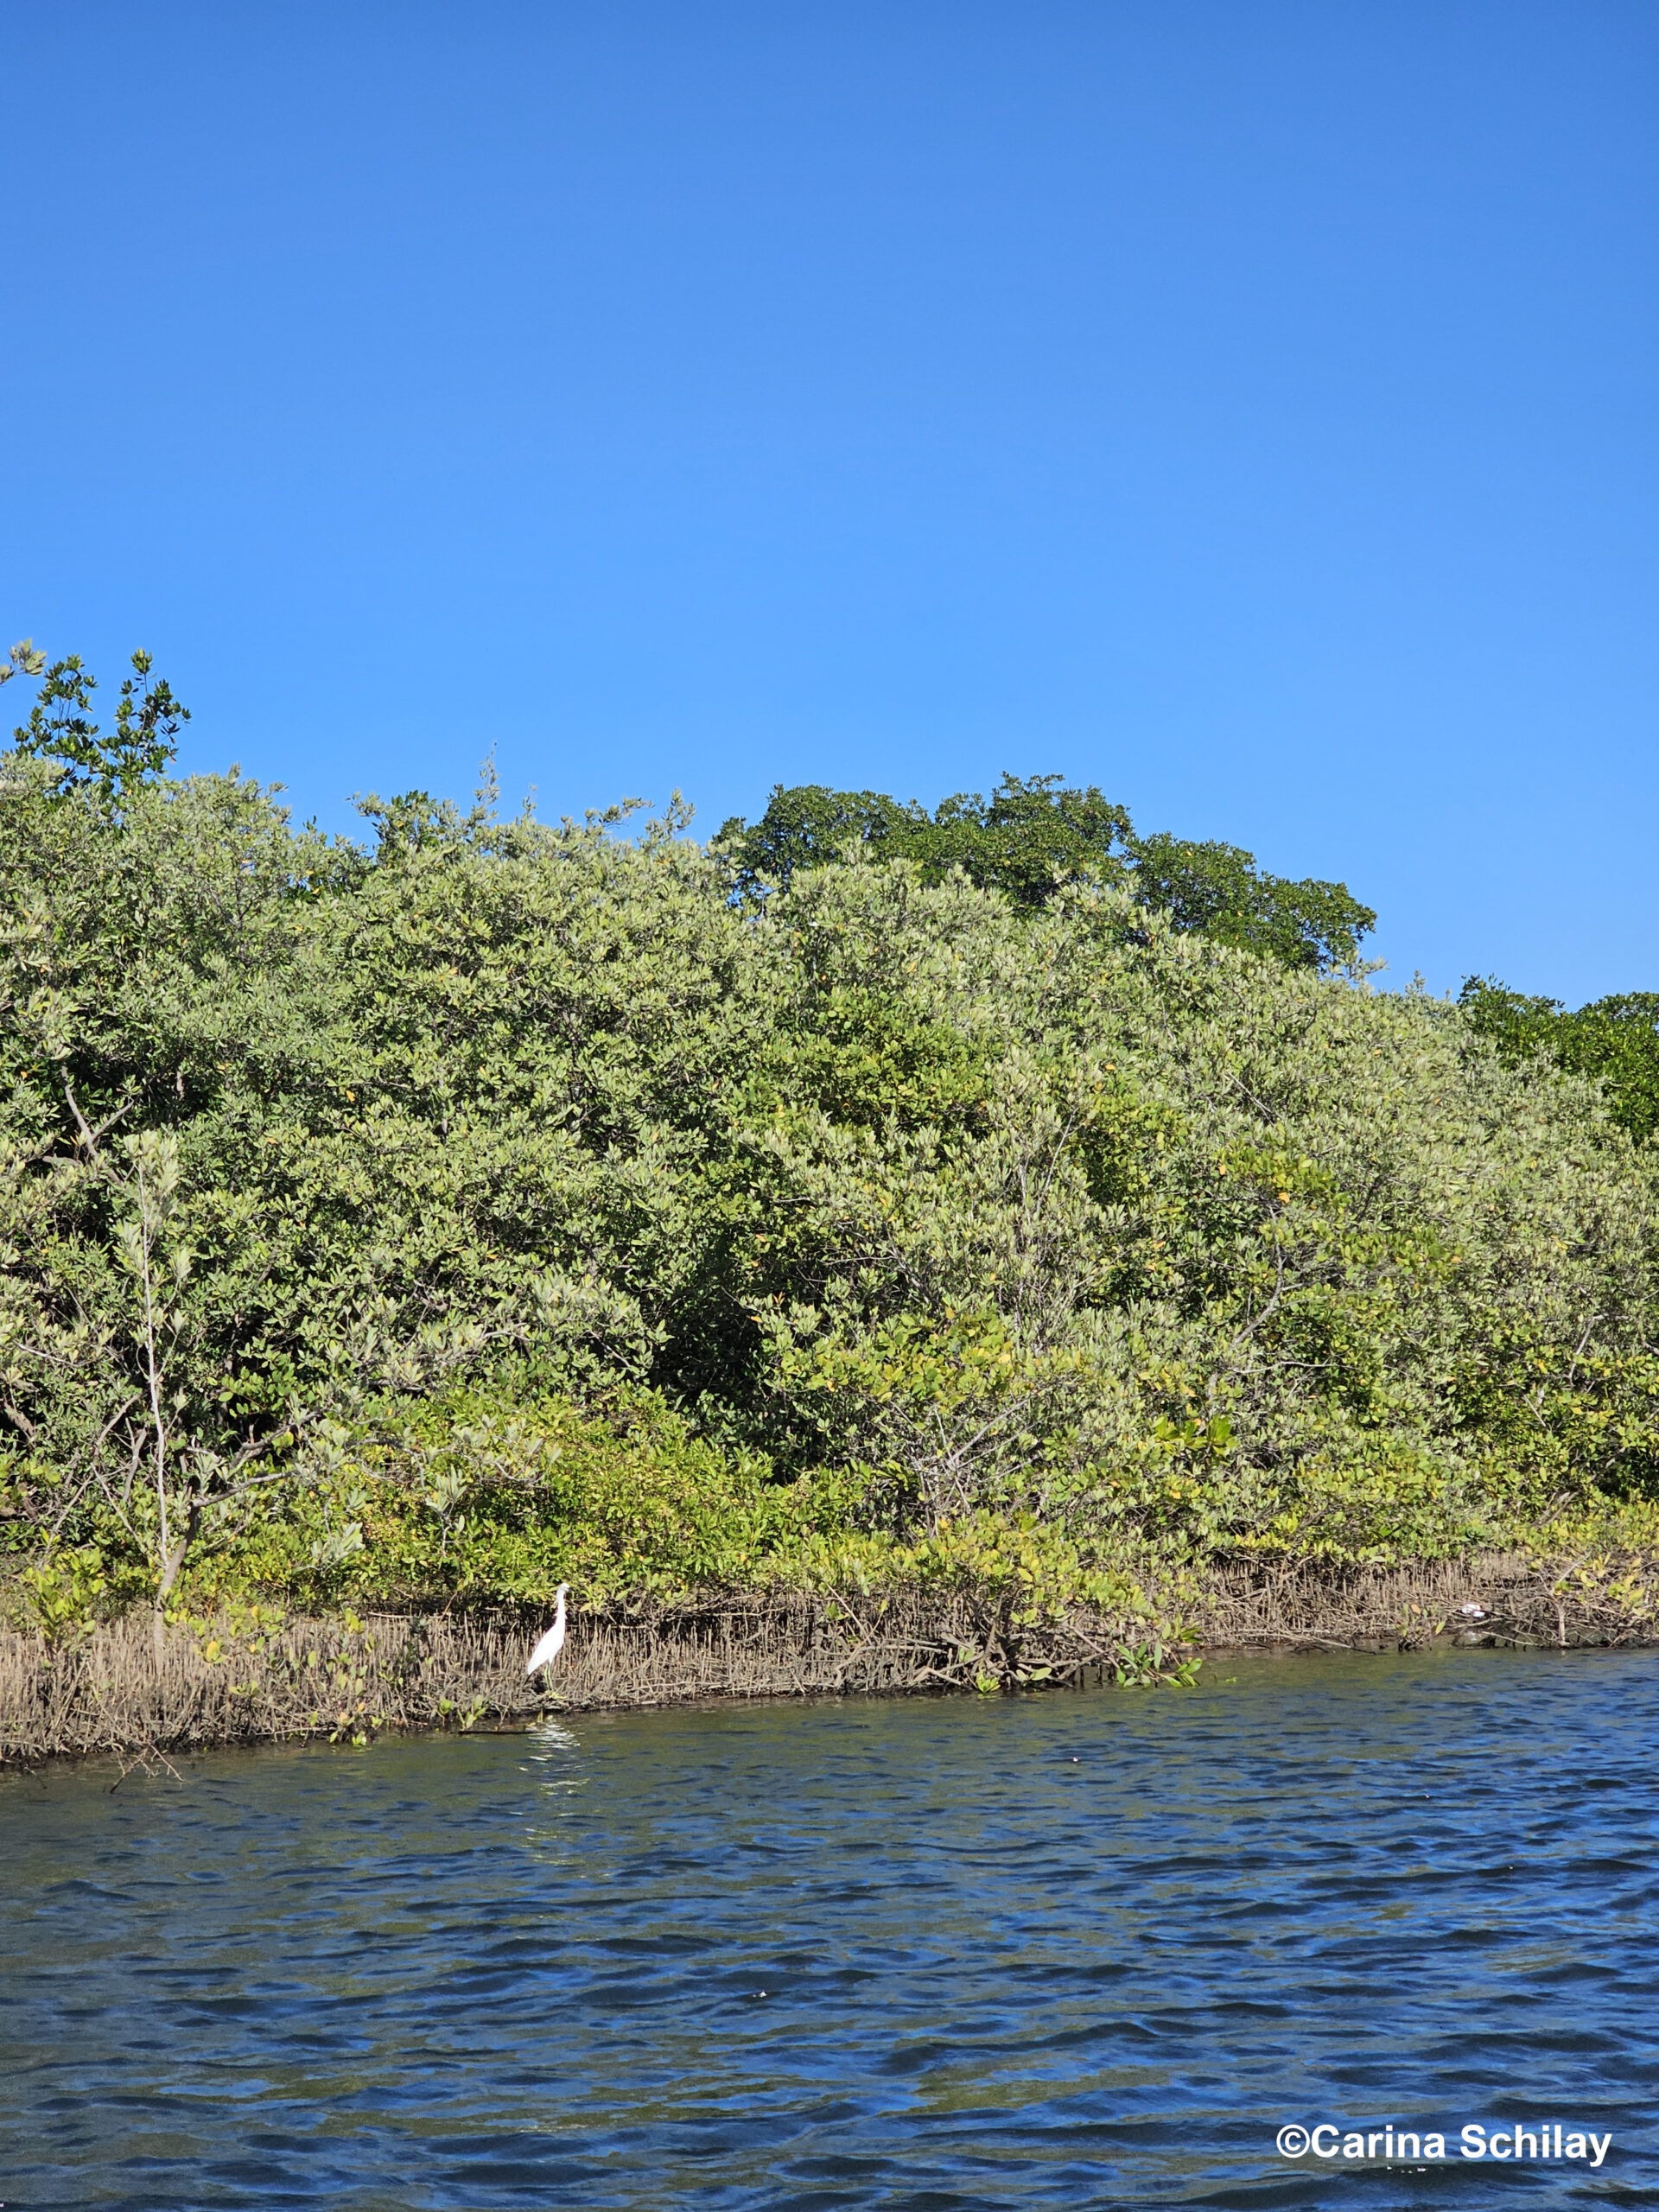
(344, 1678)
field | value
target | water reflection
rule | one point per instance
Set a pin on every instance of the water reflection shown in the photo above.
(1080, 1951)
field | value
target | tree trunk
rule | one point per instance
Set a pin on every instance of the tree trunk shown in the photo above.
(170, 1566)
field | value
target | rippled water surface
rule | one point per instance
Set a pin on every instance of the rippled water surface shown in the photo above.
(1087, 1950)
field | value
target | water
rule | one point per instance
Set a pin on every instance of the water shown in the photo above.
(931, 1957)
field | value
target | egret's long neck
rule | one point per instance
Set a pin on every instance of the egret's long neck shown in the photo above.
(558, 1616)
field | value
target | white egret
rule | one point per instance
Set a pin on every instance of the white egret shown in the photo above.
(553, 1643)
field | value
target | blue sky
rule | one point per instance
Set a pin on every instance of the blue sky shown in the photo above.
(1246, 405)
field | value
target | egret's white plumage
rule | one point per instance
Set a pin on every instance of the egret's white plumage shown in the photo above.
(553, 1643)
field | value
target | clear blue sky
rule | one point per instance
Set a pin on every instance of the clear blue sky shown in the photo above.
(1247, 405)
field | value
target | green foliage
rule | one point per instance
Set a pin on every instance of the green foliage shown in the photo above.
(487, 1204)
(808, 826)
(64, 1589)
(498, 1494)
(1033, 836)
(60, 730)
(23, 660)
(1029, 836)
(1216, 889)
(1615, 1041)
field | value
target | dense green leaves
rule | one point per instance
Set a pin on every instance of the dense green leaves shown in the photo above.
(493, 1205)
(1615, 1041)
(1033, 836)
(1217, 890)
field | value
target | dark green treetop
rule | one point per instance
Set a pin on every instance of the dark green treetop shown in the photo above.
(1035, 833)
(1616, 1039)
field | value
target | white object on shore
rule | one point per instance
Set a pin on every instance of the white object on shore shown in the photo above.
(1473, 1612)
(553, 1643)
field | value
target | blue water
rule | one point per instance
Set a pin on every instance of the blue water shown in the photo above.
(1072, 1950)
